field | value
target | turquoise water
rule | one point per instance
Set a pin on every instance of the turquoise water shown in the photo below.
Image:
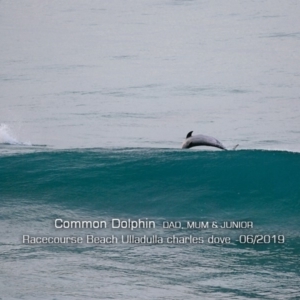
(96, 100)
(255, 186)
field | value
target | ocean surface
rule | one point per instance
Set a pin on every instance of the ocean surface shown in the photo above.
(97, 198)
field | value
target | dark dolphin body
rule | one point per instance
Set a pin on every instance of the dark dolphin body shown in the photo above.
(201, 140)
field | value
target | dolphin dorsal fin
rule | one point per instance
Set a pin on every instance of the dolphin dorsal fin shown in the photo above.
(189, 134)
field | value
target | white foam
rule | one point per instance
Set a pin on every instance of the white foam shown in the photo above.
(7, 137)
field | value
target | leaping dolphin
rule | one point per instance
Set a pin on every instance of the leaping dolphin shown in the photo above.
(201, 140)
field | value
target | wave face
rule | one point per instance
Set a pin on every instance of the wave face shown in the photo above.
(97, 184)
(261, 185)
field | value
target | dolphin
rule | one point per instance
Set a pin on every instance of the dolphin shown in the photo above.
(201, 140)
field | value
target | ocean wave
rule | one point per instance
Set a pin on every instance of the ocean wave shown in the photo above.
(233, 184)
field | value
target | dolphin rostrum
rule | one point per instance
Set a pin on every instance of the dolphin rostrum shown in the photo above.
(201, 140)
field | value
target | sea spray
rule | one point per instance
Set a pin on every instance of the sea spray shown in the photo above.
(6, 136)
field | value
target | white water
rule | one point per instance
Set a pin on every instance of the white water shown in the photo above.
(6, 136)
